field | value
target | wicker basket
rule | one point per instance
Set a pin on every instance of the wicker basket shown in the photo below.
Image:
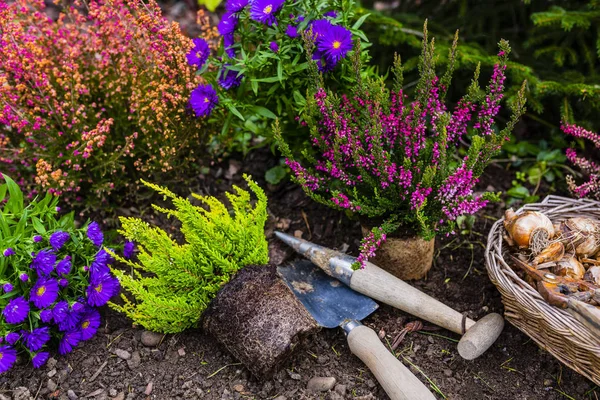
(552, 328)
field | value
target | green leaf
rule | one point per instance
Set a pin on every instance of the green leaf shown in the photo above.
(15, 201)
(300, 100)
(235, 111)
(266, 80)
(211, 5)
(519, 192)
(360, 21)
(280, 71)
(265, 112)
(275, 175)
(38, 226)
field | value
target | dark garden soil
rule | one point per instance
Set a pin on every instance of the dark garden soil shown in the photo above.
(115, 364)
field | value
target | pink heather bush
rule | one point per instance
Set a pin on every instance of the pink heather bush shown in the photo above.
(396, 161)
(591, 188)
(95, 99)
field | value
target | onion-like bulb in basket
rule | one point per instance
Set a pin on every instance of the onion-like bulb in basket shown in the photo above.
(581, 236)
(570, 267)
(593, 275)
(530, 229)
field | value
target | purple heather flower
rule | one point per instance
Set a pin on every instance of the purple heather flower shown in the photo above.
(64, 266)
(46, 315)
(37, 338)
(62, 282)
(228, 42)
(199, 53)
(274, 47)
(9, 252)
(331, 14)
(101, 289)
(291, 31)
(44, 292)
(228, 78)
(94, 233)
(8, 356)
(335, 43)
(128, 249)
(58, 239)
(228, 24)
(203, 99)
(68, 341)
(263, 10)
(40, 359)
(23, 277)
(12, 337)
(89, 324)
(236, 6)
(37, 238)
(7, 287)
(16, 311)
(44, 262)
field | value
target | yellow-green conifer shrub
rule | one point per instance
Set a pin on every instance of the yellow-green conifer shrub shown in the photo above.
(171, 284)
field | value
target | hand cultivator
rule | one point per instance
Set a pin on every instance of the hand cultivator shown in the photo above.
(378, 284)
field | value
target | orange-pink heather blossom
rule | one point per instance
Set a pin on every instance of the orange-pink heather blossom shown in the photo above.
(96, 98)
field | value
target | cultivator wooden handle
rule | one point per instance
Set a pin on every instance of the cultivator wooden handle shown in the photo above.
(380, 285)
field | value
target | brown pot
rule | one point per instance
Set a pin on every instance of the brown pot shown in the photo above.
(406, 256)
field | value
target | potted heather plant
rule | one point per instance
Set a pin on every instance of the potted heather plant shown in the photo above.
(395, 162)
(590, 188)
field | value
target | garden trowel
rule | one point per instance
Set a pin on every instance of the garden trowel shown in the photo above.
(332, 305)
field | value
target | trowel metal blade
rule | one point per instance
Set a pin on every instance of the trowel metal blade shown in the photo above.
(329, 301)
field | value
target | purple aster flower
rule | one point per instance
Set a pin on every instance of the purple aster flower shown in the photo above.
(94, 233)
(228, 42)
(203, 99)
(228, 24)
(57, 209)
(60, 310)
(44, 262)
(7, 287)
(228, 78)
(100, 291)
(65, 318)
(24, 277)
(335, 43)
(58, 239)
(12, 337)
(291, 31)
(37, 338)
(16, 311)
(8, 356)
(320, 27)
(199, 53)
(77, 307)
(64, 266)
(44, 292)
(63, 283)
(68, 341)
(236, 6)
(40, 359)
(274, 47)
(9, 252)
(89, 324)
(300, 18)
(100, 264)
(128, 249)
(37, 238)
(46, 315)
(263, 10)
(331, 14)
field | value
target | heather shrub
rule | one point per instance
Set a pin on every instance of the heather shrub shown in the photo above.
(395, 160)
(172, 282)
(53, 276)
(260, 69)
(590, 188)
(95, 99)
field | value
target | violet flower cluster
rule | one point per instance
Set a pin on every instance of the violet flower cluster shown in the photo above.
(590, 188)
(53, 284)
(394, 161)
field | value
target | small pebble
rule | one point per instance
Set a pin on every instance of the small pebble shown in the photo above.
(448, 372)
(135, 360)
(295, 376)
(321, 384)
(71, 395)
(51, 373)
(148, 389)
(181, 352)
(51, 385)
(123, 354)
(340, 389)
(151, 339)
(112, 392)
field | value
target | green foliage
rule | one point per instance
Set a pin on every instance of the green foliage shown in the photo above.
(211, 5)
(172, 283)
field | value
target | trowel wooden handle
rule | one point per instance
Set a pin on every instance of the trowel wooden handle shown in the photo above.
(397, 380)
(380, 285)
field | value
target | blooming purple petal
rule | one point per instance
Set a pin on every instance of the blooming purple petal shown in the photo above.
(64, 266)
(46, 315)
(44, 292)
(94, 233)
(12, 337)
(16, 311)
(274, 47)
(77, 307)
(58, 239)
(100, 264)
(203, 100)
(89, 324)
(228, 42)
(320, 27)
(228, 78)
(236, 6)
(44, 262)
(66, 319)
(7, 287)
(199, 53)
(128, 249)
(37, 338)
(228, 24)
(263, 11)
(40, 359)
(9, 252)
(68, 341)
(100, 291)
(8, 356)
(291, 31)
(37, 238)
(335, 43)
(331, 14)
(62, 282)
(23, 277)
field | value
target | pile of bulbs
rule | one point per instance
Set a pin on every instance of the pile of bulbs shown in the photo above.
(570, 248)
